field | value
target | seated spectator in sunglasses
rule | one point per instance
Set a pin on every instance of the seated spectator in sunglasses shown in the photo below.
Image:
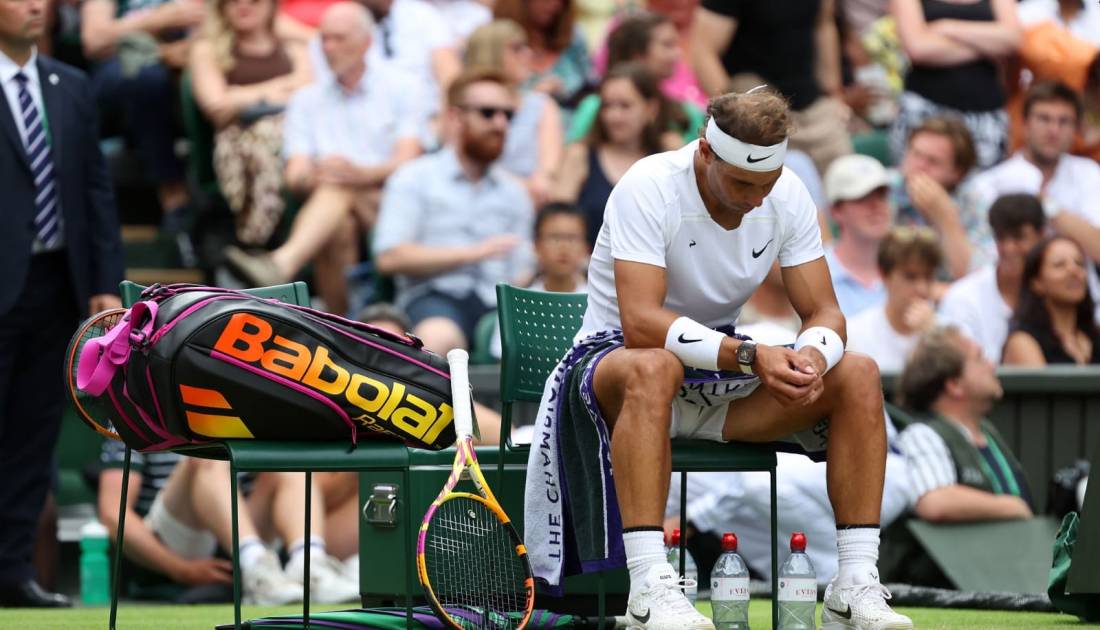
(343, 139)
(533, 147)
(453, 224)
(243, 73)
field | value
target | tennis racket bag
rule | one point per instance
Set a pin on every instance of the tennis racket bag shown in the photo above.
(189, 364)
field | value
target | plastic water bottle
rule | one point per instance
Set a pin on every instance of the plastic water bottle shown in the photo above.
(797, 588)
(691, 572)
(95, 568)
(729, 588)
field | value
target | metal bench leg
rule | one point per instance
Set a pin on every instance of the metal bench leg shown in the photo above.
(236, 547)
(309, 545)
(601, 601)
(410, 562)
(683, 523)
(116, 580)
(775, 552)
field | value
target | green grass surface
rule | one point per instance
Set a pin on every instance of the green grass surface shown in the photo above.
(206, 617)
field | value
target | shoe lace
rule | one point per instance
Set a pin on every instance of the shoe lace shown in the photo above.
(872, 596)
(671, 594)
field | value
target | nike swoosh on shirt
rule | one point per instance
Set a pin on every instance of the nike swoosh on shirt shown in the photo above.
(756, 254)
(645, 618)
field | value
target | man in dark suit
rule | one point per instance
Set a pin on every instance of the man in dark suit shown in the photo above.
(62, 258)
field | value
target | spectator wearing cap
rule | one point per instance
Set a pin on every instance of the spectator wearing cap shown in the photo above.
(929, 189)
(981, 304)
(857, 189)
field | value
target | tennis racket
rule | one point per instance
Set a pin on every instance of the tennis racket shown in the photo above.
(95, 411)
(470, 560)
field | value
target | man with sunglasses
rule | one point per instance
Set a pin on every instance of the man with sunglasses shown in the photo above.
(688, 236)
(452, 224)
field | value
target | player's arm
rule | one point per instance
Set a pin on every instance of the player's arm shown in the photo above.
(646, 322)
(810, 289)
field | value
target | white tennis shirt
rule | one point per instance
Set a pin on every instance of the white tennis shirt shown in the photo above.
(656, 216)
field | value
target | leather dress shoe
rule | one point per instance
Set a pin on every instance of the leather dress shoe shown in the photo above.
(29, 594)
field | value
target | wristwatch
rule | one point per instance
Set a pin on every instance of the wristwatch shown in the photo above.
(746, 355)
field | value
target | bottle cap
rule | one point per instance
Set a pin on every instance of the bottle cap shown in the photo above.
(798, 541)
(675, 540)
(729, 541)
(93, 529)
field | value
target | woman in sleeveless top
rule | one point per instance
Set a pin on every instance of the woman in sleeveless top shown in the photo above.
(242, 76)
(533, 146)
(631, 124)
(1053, 322)
(955, 47)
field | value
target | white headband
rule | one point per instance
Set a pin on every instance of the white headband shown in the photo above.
(750, 157)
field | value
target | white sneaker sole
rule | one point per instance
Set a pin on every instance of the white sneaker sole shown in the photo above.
(844, 624)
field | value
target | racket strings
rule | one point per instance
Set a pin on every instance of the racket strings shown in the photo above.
(473, 565)
(96, 408)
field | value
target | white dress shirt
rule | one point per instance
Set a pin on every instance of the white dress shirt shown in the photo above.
(8, 70)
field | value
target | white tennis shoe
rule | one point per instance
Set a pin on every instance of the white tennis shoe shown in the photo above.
(267, 585)
(863, 606)
(660, 604)
(328, 583)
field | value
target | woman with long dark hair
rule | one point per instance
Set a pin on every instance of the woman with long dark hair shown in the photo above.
(1053, 322)
(632, 123)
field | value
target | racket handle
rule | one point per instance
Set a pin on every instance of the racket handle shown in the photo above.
(459, 361)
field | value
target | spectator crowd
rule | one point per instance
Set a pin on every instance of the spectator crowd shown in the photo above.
(419, 152)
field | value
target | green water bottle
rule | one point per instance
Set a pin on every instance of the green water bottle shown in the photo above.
(95, 567)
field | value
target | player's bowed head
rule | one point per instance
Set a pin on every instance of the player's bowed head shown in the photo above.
(741, 150)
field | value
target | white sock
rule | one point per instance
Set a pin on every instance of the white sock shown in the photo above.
(252, 549)
(297, 551)
(857, 555)
(644, 549)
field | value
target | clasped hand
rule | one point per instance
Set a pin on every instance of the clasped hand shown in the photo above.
(792, 378)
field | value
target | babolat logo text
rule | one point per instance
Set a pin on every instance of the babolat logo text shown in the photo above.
(250, 338)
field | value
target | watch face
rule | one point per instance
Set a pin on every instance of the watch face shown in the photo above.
(746, 352)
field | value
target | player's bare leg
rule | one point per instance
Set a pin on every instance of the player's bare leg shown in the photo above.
(855, 473)
(634, 389)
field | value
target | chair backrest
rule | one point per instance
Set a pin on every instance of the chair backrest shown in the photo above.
(296, 293)
(536, 329)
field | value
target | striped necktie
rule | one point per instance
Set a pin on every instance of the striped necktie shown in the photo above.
(47, 216)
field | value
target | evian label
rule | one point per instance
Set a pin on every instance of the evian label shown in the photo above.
(729, 589)
(797, 590)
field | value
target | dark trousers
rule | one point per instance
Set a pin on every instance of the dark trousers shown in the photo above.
(33, 337)
(149, 101)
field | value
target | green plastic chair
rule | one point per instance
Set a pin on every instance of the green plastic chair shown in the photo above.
(481, 345)
(270, 456)
(536, 329)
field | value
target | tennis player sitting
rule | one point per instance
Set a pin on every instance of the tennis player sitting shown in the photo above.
(688, 235)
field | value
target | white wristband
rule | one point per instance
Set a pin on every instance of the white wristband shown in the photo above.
(694, 344)
(825, 340)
